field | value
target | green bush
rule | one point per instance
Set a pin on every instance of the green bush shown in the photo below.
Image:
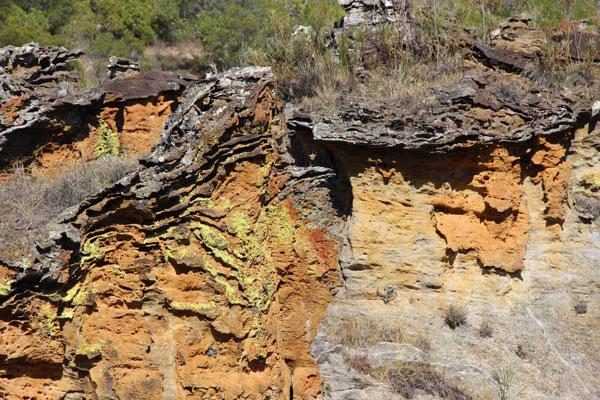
(18, 27)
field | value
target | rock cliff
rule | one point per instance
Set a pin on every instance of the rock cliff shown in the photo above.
(261, 251)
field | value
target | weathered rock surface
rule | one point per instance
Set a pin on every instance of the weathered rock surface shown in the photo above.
(48, 121)
(373, 12)
(517, 35)
(207, 273)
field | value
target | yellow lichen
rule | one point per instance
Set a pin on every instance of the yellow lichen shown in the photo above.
(67, 314)
(200, 308)
(91, 350)
(5, 287)
(72, 292)
(47, 322)
(107, 142)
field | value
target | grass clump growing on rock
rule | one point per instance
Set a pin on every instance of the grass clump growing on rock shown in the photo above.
(455, 316)
(485, 329)
(359, 331)
(503, 379)
(408, 378)
(361, 363)
(30, 201)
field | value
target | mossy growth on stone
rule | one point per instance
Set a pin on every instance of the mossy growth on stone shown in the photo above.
(5, 287)
(48, 323)
(199, 308)
(107, 142)
(91, 350)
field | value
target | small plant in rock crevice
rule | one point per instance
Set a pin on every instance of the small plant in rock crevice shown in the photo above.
(581, 308)
(485, 329)
(455, 316)
(521, 353)
(360, 362)
(503, 379)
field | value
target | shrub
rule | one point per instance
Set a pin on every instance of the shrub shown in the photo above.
(455, 316)
(509, 88)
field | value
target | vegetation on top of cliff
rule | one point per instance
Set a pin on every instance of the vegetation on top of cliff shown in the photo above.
(390, 66)
(238, 32)
(221, 31)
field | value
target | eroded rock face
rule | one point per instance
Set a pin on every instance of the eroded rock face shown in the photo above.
(400, 240)
(207, 272)
(48, 121)
(205, 275)
(373, 12)
(519, 36)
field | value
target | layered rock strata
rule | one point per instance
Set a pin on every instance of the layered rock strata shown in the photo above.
(204, 275)
(47, 120)
(222, 267)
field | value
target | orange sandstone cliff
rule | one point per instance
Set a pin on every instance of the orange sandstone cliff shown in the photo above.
(243, 257)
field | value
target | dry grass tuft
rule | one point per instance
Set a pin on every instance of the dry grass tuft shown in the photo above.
(554, 71)
(361, 331)
(455, 316)
(485, 329)
(358, 331)
(406, 379)
(28, 202)
(581, 308)
(369, 66)
(361, 363)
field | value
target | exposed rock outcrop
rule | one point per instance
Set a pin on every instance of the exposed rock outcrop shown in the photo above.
(218, 254)
(47, 120)
(207, 272)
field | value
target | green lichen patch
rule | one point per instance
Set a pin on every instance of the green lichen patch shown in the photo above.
(71, 293)
(92, 350)
(118, 271)
(76, 295)
(218, 245)
(241, 227)
(67, 314)
(48, 323)
(5, 287)
(199, 308)
(212, 238)
(282, 223)
(107, 142)
(232, 294)
(91, 251)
